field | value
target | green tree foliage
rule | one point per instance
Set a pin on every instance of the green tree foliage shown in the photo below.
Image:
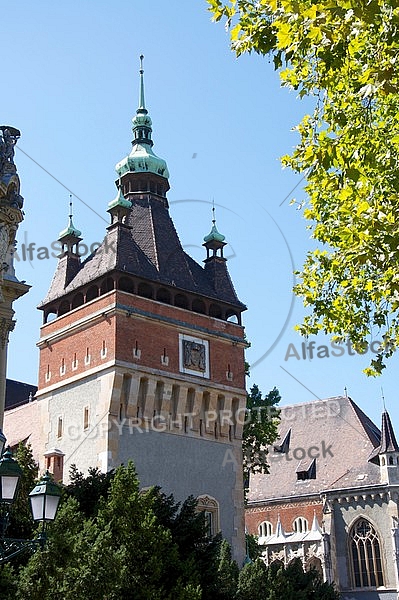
(90, 489)
(197, 554)
(21, 523)
(345, 55)
(257, 582)
(260, 430)
(126, 544)
(253, 548)
(8, 582)
(227, 574)
(252, 581)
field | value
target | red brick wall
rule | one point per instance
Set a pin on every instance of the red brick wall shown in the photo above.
(51, 356)
(121, 332)
(288, 513)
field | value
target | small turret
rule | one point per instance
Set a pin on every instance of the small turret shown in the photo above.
(387, 453)
(216, 264)
(69, 259)
(119, 208)
(214, 241)
(70, 236)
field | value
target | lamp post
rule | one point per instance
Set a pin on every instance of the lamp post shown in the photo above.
(44, 500)
(2, 442)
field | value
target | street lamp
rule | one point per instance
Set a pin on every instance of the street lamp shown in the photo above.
(44, 500)
(10, 474)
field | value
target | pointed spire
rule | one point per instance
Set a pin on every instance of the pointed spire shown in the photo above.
(315, 524)
(388, 439)
(141, 109)
(279, 528)
(70, 230)
(142, 158)
(142, 123)
(214, 235)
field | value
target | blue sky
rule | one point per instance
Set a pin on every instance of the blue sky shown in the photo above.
(70, 84)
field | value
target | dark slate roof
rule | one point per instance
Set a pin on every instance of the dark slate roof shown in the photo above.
(18, 393)
(148, 248)
(336, 429)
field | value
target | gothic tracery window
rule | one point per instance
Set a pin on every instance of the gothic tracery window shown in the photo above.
(366, 555)
(210, 507)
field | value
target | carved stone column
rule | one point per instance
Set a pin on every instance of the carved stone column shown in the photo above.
(11, 215)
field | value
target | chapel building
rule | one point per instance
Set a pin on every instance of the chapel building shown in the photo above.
(331, 498)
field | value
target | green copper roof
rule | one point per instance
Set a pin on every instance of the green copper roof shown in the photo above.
(142, 159)
(214, 235)
(70, 230)
(120, 200)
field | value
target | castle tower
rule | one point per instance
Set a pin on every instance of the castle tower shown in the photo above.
(142, 350)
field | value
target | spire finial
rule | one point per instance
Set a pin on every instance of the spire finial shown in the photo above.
(71, 229)
(214, 237)
(141, 107)
(383, 399)
(70, 209)
(346, 391)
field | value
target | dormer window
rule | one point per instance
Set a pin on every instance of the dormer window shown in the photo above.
(306, 470)
(284, 447)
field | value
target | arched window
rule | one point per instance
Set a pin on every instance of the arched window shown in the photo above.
(77, 300)
(145, 290)
(107, 285)
(366, 555)
(63, 308)
(199, 306)
(215, 311)
(91, 293)
(50, 315)
(181, 301)
(125, 284)
(300, 525)
(314, 563)
(210, 507)
(265, 529)
(232, 317)
(163, 296)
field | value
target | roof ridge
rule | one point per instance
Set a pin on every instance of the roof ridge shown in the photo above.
(370, 428)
